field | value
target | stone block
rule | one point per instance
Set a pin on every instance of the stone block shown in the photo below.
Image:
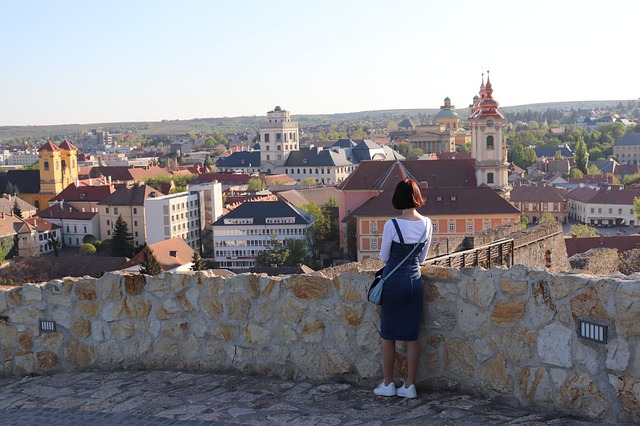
(472, 320)
(554, 345)
(212, 308)
(112, 311)
(587, 356)
(352, 288)
(458, 357)
(519, 344)
(14, 297)
(137, 348)
(85, 289)
(368, 337)
(174, 329)
(100, 330)
(264, 311)
(335, 362)
(441, 316)
(618, 355)
(108, 353)
(628, 393)
(514, 288)
(81, 328)
(588, 305)
(80, 354)
(535, 385)
(291, 311)
(189, 300)
(255, 334)
(31, 316)
(238, 307)
(286, 333)
(4, 305)
(494, 375)
(310, 287)
(580, 394)
(191, 349)
(31, 294)
(24, 362)
(25, 339)
(47, 360)
(270, 287)
(312, 330)
(136, 308)
(252, 286)
(349, 314)
(433, 273)
(627, 299)
(166, 348)
(226, 331)
(52, 341)
(90, 309)
(480, 291)
(134, 284)
(507, 314)
(168, 308)
(109, 287)
(122, 330)
(562, 285)
(8, 335)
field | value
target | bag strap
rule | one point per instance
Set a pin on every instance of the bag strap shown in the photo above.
(395, 223)
(409, 254)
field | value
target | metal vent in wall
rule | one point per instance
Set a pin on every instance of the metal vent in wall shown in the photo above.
(592, 331)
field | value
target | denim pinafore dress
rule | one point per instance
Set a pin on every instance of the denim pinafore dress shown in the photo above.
(401, 303)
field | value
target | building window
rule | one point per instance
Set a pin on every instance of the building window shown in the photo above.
(489, 142)
(452, 226)
(108, 223)
(547, 258)
(470, 225)
(278, 137)
(266, 137)
(115, 210)
(107, 210)
(486, 225)
(135, 210)
(373, 227)
(434, 225)
(108, 232)
(489, 177)
(46, 165)
(135, 223)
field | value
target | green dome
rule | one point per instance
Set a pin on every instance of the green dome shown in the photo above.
(446, 112)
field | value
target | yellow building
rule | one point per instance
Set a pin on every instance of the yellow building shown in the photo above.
(58, 166)
(444, 135)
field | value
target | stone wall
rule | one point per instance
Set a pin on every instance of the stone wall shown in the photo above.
(508, 334)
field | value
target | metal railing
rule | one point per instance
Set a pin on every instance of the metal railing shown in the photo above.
(497, 253)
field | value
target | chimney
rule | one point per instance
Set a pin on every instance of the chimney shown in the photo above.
(424, 184)
(1, 215)
(173, 253)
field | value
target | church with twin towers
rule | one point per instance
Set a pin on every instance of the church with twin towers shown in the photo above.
(278, 150)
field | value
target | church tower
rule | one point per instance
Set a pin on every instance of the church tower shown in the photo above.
(50, 169)
(68, 163)
(489, 142)
(278, 137)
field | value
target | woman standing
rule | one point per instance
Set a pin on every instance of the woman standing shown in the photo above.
(401, 304)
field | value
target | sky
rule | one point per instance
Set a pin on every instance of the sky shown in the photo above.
(64, 62)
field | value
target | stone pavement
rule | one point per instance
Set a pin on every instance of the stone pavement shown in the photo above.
(182, 398)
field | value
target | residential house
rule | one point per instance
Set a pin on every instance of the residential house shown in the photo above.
(454, 212)
(75, 224)
(536, 200)
(173, 255)
(17, 238)
(47, 231)
(8, 202)
(606, 205)
(240, 235)
(627, 149)
(83, 197)
(127, 201)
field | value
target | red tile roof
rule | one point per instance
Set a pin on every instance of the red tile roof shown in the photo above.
(444, 201)
(84, 193)
(224, 178)
(65, 211)
(620, 242)
(170, 254)
(67, 145)
(49, 146)
(384, 175)
(536, 193)
(614, 195)
(41, 225)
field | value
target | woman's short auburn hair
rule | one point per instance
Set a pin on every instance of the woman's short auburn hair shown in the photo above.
(407, 195)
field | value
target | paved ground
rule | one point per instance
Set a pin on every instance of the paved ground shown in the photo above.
(179, 398)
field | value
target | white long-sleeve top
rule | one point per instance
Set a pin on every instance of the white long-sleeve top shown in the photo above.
(411, 232)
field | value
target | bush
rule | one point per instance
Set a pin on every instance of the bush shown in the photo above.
(87, 249)
(630, 262)
(89, 239)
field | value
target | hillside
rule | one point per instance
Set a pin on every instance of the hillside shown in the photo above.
(251, 123)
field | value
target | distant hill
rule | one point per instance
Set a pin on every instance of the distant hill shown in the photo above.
(251, 123)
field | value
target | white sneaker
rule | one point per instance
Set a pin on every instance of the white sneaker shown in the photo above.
(407, 392)
(388, 390)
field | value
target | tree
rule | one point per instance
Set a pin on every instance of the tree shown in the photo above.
(593, 170)
(88, 238)
(636, 208)
(197, 262)
(122, 241)
(55, 244)
(309, 181)
(149, 264)
(17, 211)
(11, 189)
(298, 253)
(575, 173)
(275, 254)
(87, 249)
(581, 156)
(256, 184)
(351, 238)
(557, 155)
(583, 231)
(524, 220)
(548, 218)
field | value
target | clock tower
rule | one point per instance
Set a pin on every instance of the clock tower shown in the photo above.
(489, 142)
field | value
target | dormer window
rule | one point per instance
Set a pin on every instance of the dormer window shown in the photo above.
(454, 198)
(304, 160)
(439, 198)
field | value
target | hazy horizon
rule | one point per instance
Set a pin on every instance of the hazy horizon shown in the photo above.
(73, 62)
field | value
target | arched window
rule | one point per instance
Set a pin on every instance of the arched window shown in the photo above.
(64, 164)
(489, 142)
(489, 177)
(36, 204)
(547, 258)
(46, 165)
